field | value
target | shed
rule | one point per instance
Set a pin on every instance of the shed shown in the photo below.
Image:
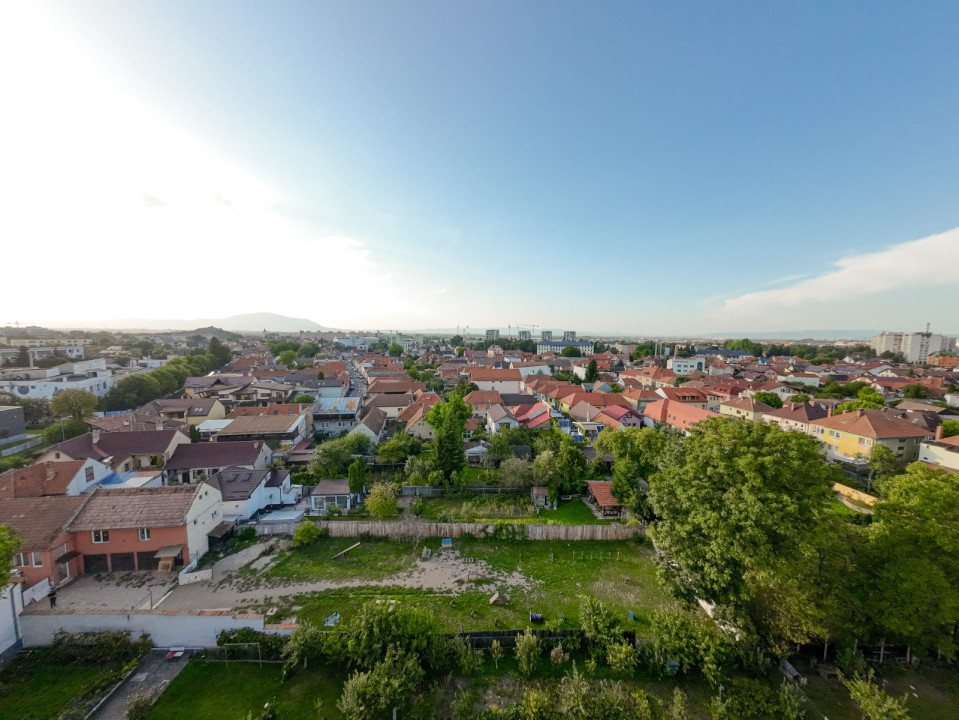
(328, 493)
(601, 493)
(539, 496)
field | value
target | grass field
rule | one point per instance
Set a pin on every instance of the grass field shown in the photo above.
(621, 574)
(221, 691)
(370, 561)
(39, 691)
(506, 508)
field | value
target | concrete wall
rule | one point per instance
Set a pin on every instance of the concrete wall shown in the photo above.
(11, 605)
(167, 629)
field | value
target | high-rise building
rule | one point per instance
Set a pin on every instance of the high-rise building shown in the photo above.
(525, 335)
(546, 335)
(569, 336)
(492, 334)
(915, 347)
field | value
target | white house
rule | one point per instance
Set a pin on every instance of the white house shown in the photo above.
(503, 381)
(499, 418)
(684, 366)
(245, 492)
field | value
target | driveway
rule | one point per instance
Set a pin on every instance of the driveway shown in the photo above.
(152, 676)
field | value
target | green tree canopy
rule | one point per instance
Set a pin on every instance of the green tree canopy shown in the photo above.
(913, 573)
(77, 404)
(304, 398)
(867, 399)
(448, 421)
(394, 350)
(571, 352)
(592, 373)
(381, 500)
(915, 391)
(332, 458)
(288, 357)
(219, 353)
(9, 545)
(735, 511)
(770, 398)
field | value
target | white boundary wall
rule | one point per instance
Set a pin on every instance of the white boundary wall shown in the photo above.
(167, 629)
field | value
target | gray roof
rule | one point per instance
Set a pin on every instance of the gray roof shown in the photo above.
(236, 483)
(332, 487)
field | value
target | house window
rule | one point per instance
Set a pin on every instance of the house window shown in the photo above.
(20, 560)
(88, 474)
(100, 536)
(37, 559)
(144, 533)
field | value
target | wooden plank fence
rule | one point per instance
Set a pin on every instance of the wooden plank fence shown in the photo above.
(356, 528)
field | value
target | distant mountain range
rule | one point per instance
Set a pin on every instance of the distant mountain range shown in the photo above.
(252, 322)
(800, 335)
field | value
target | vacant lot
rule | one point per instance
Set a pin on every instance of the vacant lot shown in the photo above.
(539, 577)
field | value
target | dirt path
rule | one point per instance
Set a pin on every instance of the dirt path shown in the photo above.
(444, 572)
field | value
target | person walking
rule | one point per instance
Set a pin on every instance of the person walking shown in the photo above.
(53, 597)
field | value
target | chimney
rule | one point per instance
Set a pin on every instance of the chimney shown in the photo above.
(95, 436)
(829, 410)
(939, 433)
(159, 424)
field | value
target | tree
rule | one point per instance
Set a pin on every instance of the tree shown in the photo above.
(770, 398)
(132, 392)
(912, 577)
(23, 357)
(799, 398)
(392, 683)
(398, 448)
(220, 353)
(592, 372)
(622, 657)
(455, 341)
(679, 707)
(394, 350)
(500, 448)
(495, 650)
(381, 500)
(571, 465)
(527, 652)
(357, 474)
(599, 624)
(950, 428)
(77, 404)
(882, 462)
(36, 411)
(915, 391)
(378, 626)
(448, 421)
(515, 472)
(288, 357)
(735, 513)
(626, 488)
(571, 352)
(9, 544)
(867, 399)
(331, 459)
(309, 349)
(874, 703)
(304, 398)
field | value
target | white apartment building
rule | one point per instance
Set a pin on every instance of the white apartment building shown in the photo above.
(915, 347)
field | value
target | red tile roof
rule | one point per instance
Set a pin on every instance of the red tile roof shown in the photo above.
(603, 492)
(45, 478)
(876, 424)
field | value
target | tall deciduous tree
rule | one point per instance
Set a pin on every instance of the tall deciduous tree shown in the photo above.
(394, 350)
(770, 398)
(381, 500)
(9, 544)
(913, 573)
(448, 421)
(74, 403)
(736, 511)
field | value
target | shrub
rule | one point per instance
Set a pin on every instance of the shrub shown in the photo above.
(557, 656)
(622, 657)
(527, 652)
(306, 533)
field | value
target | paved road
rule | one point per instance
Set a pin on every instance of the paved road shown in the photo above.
(152, 675)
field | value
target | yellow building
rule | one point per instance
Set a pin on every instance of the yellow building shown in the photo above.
(853, 435)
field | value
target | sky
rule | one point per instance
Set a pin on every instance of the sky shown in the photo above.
(624, 167)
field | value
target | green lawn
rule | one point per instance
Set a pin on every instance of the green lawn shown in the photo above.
(619, 573)
(41, 690)
(370, 561)
(221, 691)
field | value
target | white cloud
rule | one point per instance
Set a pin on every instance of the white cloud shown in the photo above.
(930, 261)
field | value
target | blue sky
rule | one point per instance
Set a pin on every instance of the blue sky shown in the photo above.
(664, 168)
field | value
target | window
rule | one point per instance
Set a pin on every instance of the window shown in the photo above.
(100, 536)
(20, 560)
(144, 533)
(37, 559)
(88, 473)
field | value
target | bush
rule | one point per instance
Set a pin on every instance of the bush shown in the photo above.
(527, 652)
(306, 533)
(621, 657)
(96, 647)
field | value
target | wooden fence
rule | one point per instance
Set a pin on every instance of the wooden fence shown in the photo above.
(356, 528)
